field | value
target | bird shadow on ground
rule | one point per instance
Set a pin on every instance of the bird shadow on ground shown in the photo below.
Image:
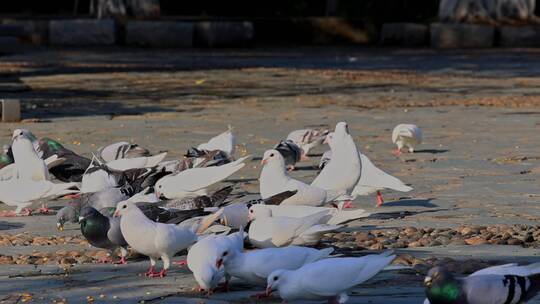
(399, 214)
(432, 151)
(423, 202)
(9, 225)
(306, 168)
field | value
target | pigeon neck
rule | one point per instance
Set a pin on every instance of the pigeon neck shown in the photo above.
(273, 170)
(448, 292)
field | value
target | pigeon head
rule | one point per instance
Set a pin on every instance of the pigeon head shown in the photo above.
(342, 128)
(329, 139)
(64, 215)
(163, 187)
(275, 279)
(259, 211)
(22, 133)
(88, 212)
(441, 286)
(273, 157)
(123, 208)
(207, 277)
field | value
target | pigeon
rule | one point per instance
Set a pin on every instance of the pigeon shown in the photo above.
(199, 158)
(406, 136)
(193, 182)
(225, 142)
(327, 279)
(337, 216)
(372, 179)
(307, 139)
(274, 179)
(103, 231)
(155, 240)
(28, 164)
(107, 198)
(121, 150)
(290, 151)
(198, 202)
(73, 166)
(254, 266)
(22, 193)
(343, 171)
(124, 164)
(235, 215)
(204, 258)
(495, 285)
(267, 231)
(325, 159)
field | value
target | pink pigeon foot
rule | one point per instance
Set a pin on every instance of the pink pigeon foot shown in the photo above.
(161, 274)
(396, 152)
(347, 205)
(180, 263)
(304, 158)
(26, 212)
(290, 168)
(150, 271)
(122, 261)
(380, 200)
(44, 209)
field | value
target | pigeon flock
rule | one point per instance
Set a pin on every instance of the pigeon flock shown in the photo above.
(124, 198)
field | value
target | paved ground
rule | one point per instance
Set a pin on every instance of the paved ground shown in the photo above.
(479, 164)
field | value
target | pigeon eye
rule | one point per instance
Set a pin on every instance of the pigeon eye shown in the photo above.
(272, 155)
(225, 253)
(124, 207)
(21, 133)
(159, 186)
(275, 278)
(250, 211)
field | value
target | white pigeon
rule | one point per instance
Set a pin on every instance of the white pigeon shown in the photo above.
(372, 179)
(28, 164)
(274, 179)
(120, 150)
(254, 266)
(307, 139)
(406, 136)
(343, 171)
(328, 279)
(503, 270)
(124, 164)
(155, 240)
(22, 193)
(225, 141)
(10, 171)
(193, 182)
(267, 231)
(204, 258)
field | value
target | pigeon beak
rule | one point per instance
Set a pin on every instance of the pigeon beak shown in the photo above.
(268, 290)
(60, 227)
(116, 214)
(81, 218)
(219, 263)
(325, 141)
(264, 161)
(427, 281)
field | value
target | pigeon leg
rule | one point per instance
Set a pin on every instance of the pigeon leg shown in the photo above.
(8, 213)
(396, 152)
(304, 157)
(180, 263)
(380, 200)
(105, 260)
(150, 271)
(290, 168)
(262, 295)
(223, 287)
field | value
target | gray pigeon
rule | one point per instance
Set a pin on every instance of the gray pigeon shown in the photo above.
(103, 231)
(107, 198)
(493, 288)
